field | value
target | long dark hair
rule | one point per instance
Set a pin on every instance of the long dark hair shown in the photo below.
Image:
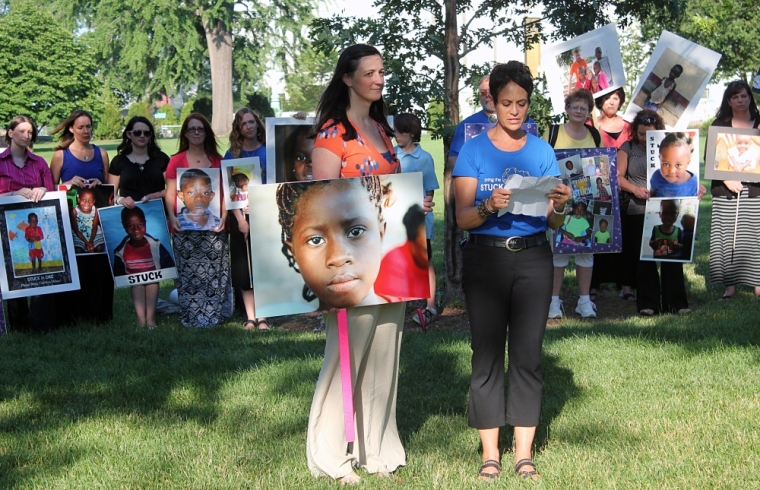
(725, 113)
(236, 138)
(647, 118)
(67, 137)
(125, 147)
(210, 145)
(335, 100)
(15, 122)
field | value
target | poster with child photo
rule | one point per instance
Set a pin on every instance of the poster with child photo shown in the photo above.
(238, 174)
(138, 244)
(733, 154)
(289, 148)
(669, 229)
(324, 244)
(84, 203)
(592, 224)
(673, 163)
(198, 199)
(36, 246)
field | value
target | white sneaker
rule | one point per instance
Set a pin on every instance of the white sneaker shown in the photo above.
(586, 310)
(556, 309)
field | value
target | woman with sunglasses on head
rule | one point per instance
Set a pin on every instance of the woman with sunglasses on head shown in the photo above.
(247, 140)
(24, 174)
(78, 162)
(137, 172)
(201, 254)
(734, 256)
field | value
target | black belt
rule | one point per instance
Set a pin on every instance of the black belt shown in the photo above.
(513, 244)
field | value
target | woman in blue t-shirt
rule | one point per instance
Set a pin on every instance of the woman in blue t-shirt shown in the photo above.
(508, 270)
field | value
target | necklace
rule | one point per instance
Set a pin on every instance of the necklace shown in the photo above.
(84, 154)
(197, 160)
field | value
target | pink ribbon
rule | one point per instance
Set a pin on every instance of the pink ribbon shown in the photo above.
(345, 375)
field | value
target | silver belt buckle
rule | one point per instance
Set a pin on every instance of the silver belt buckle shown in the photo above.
(518, 239)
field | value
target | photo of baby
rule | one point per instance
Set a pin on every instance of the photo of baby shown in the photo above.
(673, 80)
(669, 226)
(238, 174)
(198, 200)
(337, 243)
(36, 247)
(733, 154)
(673, 170)
(83, 212)
(138, 244)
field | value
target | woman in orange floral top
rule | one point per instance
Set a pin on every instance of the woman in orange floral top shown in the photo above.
(352, 139)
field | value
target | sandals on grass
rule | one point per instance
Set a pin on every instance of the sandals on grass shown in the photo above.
(526, 474)
(257, 324)
(490, 463)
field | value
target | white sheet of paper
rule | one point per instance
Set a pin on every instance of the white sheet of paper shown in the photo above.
(529, 194)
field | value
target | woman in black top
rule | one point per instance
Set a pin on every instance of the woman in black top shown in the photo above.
(138, 174)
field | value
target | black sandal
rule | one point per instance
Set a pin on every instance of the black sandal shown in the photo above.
(526, 474)
(490, 463)
(253, 324)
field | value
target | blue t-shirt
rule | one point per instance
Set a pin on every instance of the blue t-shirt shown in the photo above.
(480, 159)
(420, 161)
(260, 152)
(664, 188)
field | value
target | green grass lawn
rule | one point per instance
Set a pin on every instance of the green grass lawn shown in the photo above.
(663, 402)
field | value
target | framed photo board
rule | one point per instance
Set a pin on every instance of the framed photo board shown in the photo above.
(733, 154)
(138, 243)
(592, 224)
(199, 198)
(36, 246)
(337, 243)
(669, 229)
(238, 174)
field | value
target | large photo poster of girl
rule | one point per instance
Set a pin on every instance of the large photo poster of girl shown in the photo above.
(36, 246)
(138, 243)
(592, 224)
(84, 203)
(317, 245)
(289, 148)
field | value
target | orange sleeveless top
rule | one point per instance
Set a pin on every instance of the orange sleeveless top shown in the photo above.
(357, 156)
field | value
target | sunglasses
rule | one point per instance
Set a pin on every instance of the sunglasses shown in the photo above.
(648, 120)
(196, 130)
(139, 132)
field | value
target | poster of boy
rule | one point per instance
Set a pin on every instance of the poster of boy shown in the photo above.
(138, 244)
(591, 61)
(238, 175)
(593, 198)
(669, 228)
(198, 198)
(337, 243)
(84, 203)
(673, 80)
(37, 249)
(733, 154)
(673, 163)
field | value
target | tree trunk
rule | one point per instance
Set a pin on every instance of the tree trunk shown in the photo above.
(219, 40)
(452, 266)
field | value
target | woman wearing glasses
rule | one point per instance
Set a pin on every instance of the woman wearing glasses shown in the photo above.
(201, 252)
(137, 172)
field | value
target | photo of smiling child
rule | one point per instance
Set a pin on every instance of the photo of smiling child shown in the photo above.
(743, 157)
(34, 236)
(576, 230)
(239, 175)
(297, 155)
(602, 230)
(673, 170)
(197, 200)
(84, 203)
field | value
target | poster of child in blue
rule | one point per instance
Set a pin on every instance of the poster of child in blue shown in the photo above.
(592, 224)
(37, 248)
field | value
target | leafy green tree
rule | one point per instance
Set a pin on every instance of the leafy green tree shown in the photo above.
(147, 47)
(308, 79)
(412, 32)
(45, 71)
(635, 50)
(110, 123)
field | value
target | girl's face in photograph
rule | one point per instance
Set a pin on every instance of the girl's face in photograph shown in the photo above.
(21, 136)
(139, 141)
(511, 106)
(248, 126)
(82, 129)
(579, 210)
(337, 242)
(135, 228)
(302, 165)
(196, 133)
(641, 133)
(674, 160)
(739, 102)
(86, 201)
(33, 221)
(603, 226)
(368, 80)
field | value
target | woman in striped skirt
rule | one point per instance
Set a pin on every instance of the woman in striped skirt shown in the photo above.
(734, 256)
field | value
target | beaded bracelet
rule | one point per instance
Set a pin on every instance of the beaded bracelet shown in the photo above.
(483, 210)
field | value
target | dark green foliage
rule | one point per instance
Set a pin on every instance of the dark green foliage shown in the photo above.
(45, 72)
(259, 103)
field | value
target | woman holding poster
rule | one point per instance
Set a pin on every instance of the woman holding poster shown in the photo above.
(202, 256)
(508, 270)
(353, 139)
(734, 255)
(137, 174)
(77, 162)
(22, 173)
